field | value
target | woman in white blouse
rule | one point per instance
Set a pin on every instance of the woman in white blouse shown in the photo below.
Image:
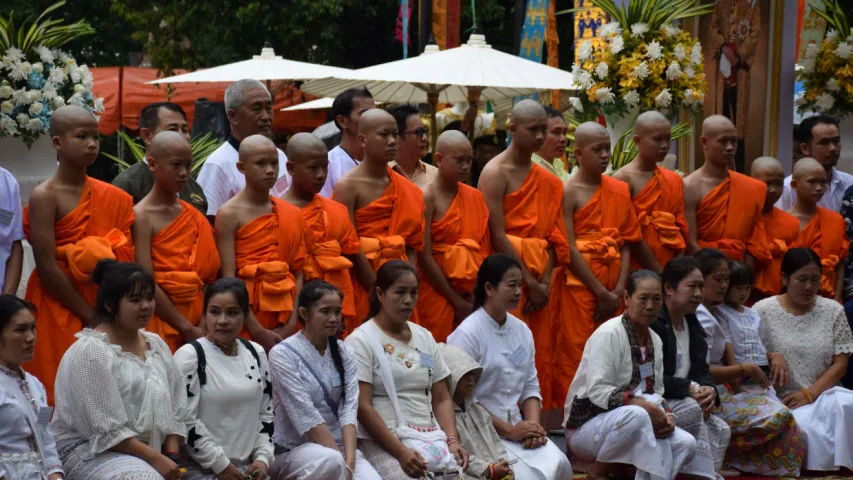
(229, 396)
(27, 448)
(813, 334)
(315, 392)
(120, 401)
(418, 374)
(503, 345)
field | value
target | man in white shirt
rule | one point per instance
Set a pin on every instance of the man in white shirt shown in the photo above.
(412, 146)
(249, 107)
(11, 233)
(347, 110)
(821, 140)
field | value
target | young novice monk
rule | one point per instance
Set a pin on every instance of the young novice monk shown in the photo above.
(386, 209)
(174, 241)
(822, 230)
(261, 240)
(72, 222)
(456, 238)
(602, 225)
(333, 248)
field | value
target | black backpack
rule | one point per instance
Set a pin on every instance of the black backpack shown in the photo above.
(202, 360)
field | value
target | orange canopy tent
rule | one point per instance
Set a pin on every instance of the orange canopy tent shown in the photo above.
(125, 93)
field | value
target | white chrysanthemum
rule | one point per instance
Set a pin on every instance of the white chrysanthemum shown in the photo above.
(664, 98)
(62, 57)
(696, 54)
(632, 98)
(36, 108)
(654, 51)
(22, 119)
(585, 51)
(617, 45)
(844, 50)
(6, 91)
(38, 67)
(689, 72)
(585, 80)
(7, 107)
(832, 85)
(800, 100)
(74, 73)
(77, 99)
(35, 95)
(86, 75)
(8, 126)
(832, 35)
(680, 52)
(45, 54)
(15, 54)
(604, 95)
(35, 125)
(674, 71)
(48, 91)
(670, 31)
(79, 88)
(807, 65)
(639, 29)
(20, 71)
(609, 29)
(58, 102)
(641, 71)
(811, 51)
(693, 98)
(825, 102)
(577, 104)
(56, 76)
(99, 104)
(21, 97)
(601, 70)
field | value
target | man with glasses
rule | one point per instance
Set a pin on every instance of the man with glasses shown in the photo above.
(412, 146)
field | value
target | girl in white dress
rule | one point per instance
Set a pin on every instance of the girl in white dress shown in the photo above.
(315, 390)
(120, 401)
(27, 448)
(503, 345)
(813, 334)
(229, 397)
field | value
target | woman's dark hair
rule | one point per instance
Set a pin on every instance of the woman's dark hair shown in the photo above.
(797, 258)
(676, 269)
(308, 296)
(115, 281)
(637, 277)
(710, 259)
(10, 305)
(739, 274)
(231, 285)
(492, 271)
(388, 275)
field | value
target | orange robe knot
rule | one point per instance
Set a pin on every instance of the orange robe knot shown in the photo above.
(81, 256)
(533, 252)
(325, 262)
(777, 248)
(668, 231)
(601, 251)
(826, 234)
(734, 249)
(181, 287)
(381, 250)
(461, 262)
(827, 278)
(271, 285)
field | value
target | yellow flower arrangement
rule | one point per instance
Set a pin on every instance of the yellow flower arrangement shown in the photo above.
(827, 76)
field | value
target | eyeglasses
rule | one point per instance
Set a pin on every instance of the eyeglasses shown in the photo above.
(419, 132)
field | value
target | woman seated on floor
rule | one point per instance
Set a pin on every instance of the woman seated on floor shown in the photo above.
(503, 345)
(813, 334)
(765, 438)
(615, 414)
(689, 388)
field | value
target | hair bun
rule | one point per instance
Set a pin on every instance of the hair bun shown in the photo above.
(101, 270)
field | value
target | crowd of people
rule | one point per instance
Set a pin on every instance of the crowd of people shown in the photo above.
(364, 314)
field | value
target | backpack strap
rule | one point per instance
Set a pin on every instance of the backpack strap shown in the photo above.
(202, 362)
(251, 350)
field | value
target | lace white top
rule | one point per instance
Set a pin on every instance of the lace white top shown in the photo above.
(105, 395)
(808, 341)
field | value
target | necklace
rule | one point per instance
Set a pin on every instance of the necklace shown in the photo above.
(226, 349)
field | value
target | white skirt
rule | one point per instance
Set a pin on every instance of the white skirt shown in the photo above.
(547, 462)
(828, 427)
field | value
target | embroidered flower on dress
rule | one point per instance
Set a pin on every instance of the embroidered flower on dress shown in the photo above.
(389, 349)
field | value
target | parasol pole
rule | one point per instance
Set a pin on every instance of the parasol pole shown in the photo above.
(432, 98)
(474, 102)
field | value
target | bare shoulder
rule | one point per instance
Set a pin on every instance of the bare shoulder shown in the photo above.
(493, 178)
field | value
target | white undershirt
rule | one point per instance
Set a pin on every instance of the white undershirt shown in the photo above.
(682, 341)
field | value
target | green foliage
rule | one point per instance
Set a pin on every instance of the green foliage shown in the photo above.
(835, 16)
(201, 146)
(52, 33)
(654, 13)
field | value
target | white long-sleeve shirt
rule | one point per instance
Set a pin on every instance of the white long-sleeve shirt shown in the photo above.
(231, 414)
(340, 163)
(507, 356)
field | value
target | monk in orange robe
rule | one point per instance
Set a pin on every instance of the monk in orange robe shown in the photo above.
(334, 254)
(602, 225)
(456, 239)
(174, 241)
(723, 208)
(822, 230)
(386, 209)
(781, 228)
(72, 221)
(261, 241)
(657, 195)
(525, 208)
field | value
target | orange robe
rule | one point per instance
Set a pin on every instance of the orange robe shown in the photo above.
(602, 227)
(734, 227)
(385, 228)
(331, 235)
(660, 211)
(826, 234)
(270, 250)
(185, 258)
(782, 231)
(98, 228)
(460, 243)
(533, 221)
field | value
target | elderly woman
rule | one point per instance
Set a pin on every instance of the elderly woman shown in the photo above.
(27, 448)
(615, 413)
(765, 439)
(813, 334)
(503, 345)
(688, 385)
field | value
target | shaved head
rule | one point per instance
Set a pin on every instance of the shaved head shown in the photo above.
(762, 165)
(527, 110)
(589, 132)
(373, 119)
(809, 181)
(807, 166)
(167, 142)
(254, 144)
(716, 124)
(453, 156)
(451, 139)
(650, 121)
(592, 148)
(70, 116)
(770, 171)
(302, 145)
